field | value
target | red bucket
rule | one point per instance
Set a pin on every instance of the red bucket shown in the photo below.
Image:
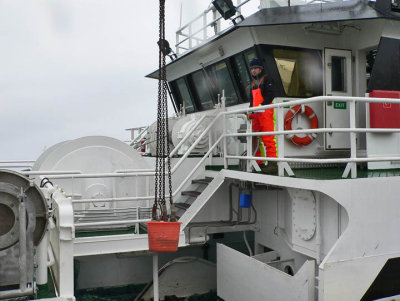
(163, 236)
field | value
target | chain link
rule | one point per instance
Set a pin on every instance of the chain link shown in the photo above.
(162, 146)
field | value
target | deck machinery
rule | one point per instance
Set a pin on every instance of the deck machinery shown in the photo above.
(323, 228)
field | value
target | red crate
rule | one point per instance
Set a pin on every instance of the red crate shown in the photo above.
(384, 115)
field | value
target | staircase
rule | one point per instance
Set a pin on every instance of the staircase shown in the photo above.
(189, 196)
(196, 196)
(192, 200)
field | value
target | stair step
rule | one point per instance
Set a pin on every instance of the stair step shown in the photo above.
(206, 180)
(183, 206)
(192, 193)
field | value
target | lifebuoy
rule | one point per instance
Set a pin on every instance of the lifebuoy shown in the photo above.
(303, 109)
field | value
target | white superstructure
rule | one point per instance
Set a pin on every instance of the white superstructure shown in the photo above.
(322, 228)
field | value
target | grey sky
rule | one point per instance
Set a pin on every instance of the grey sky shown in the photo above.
(76, 68)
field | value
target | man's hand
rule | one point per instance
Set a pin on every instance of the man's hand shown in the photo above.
(250, 115)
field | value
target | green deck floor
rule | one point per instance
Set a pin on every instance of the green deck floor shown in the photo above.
(326, 173)
(46, 290)
(332, 173)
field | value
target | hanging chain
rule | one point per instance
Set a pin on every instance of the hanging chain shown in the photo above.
(162, 148)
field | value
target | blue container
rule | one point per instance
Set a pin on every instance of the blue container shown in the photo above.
(245, 200)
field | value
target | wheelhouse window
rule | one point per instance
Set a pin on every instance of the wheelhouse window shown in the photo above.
(249, 55)
(200, 86)
(241, 70)
(220, 73)
(185, 95)
(300, 71)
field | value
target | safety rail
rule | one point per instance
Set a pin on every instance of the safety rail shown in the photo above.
(136, 141)
(283, 162)
(16, 164)
(201, 34)
(351, 166)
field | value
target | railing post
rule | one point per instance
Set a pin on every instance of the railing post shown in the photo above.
(210, 143)
(249, 145)
(205, 26)
(155, 278)
(353, 138)
(190, 36)
(177, 43)
(223, 99)
(281, 141)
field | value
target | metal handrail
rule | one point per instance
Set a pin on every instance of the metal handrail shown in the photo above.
(139, 136)
(192, 35)
(280, 133)
(250, 110)
(17, 161)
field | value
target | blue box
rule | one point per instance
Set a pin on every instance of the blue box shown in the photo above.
(245, 200)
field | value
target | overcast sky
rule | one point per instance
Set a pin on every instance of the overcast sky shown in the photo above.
(76, 68)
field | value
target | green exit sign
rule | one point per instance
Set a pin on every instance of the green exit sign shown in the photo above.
(341, 105)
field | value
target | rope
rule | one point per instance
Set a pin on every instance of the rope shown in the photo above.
(159, 211)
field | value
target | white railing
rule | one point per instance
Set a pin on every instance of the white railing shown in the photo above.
(193, 34)
(136, 139)
(283, 162)
(16, 164)
(351, 161)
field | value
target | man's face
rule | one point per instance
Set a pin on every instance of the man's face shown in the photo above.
(255, 71)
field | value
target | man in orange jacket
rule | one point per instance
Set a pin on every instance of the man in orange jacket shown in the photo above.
(262, 93)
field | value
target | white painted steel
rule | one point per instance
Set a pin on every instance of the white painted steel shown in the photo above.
(188, 134)
(155, 278)
(108, 223)
(111, 199)
(240, 277)
(193, 34)
(136, 140)
(61, 240)
(224, 128)
(201, 200)
(339, 160)
(42, 250)
(281, 158)
(333, 117)
(365, 245)
(352, 160)
(111, 244)
(184, 277)
(353, 138)
(50, 172)
(280, 141)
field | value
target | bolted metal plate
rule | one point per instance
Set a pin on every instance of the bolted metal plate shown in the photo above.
(12, 187)
(304, 221)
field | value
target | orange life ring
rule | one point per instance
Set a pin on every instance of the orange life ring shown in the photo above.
(301, 141)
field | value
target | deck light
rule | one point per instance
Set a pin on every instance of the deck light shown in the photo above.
(225, 8)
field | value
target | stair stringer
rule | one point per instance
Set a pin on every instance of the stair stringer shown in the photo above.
(201, 200)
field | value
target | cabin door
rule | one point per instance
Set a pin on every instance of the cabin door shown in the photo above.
(338, 82)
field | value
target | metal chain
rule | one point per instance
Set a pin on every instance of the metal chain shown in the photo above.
(162, 148)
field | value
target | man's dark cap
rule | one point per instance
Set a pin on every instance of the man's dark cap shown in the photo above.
(256, 63)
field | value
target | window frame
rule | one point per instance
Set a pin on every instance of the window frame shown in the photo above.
(272, 68)
(185, 79)
(215, 89)
(194, 90)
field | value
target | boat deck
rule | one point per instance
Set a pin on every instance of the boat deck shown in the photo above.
(328, 173)
(333, 173)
